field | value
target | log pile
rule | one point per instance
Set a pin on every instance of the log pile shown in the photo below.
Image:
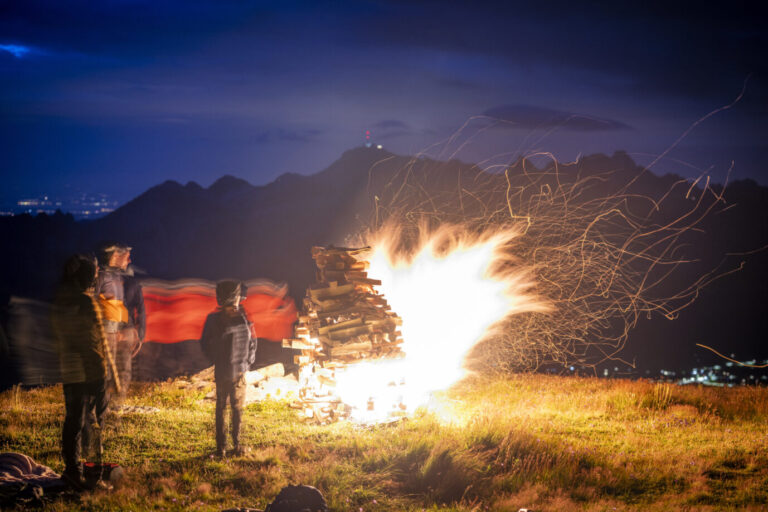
(344, 320)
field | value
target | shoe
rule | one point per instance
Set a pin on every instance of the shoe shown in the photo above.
(74, 481)
(239, 451)
(101, 485)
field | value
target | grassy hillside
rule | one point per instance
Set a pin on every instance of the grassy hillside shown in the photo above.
(540, 442)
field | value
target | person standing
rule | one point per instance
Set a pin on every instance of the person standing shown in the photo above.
(83, 357)
(228, 342)
(110, 292)
(137, 316)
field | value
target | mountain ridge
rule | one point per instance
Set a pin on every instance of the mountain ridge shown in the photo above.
(233, 229)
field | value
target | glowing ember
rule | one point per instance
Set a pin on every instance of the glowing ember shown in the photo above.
(450, 290)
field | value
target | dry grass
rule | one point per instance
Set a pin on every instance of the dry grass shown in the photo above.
(502, 443)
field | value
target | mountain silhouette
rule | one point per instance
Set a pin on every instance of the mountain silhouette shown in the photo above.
(233, 229)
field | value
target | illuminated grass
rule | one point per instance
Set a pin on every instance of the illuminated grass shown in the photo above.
(541, 442)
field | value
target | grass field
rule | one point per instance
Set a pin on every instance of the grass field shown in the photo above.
(502, 443)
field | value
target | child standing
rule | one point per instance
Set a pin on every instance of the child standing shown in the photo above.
(227, 342)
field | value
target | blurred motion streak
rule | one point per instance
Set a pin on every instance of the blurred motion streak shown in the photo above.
(176, 311)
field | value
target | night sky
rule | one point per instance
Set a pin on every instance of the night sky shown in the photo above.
(116, 96)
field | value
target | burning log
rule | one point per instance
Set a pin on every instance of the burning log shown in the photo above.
(344, 320)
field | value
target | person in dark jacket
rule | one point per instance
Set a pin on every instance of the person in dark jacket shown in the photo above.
(83, 356)
(228, 342)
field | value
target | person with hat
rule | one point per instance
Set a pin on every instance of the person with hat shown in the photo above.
(109, 291)
(228, 343)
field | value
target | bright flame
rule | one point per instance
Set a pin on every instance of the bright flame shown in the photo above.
(450, 291)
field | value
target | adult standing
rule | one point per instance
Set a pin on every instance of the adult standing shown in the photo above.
(110, 293)
(84, 357)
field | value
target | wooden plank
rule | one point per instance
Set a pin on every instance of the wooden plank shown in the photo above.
(349, 250)
(350, 348)
(298, 344)
(343, 334)
(335, 291)
(301, 360)
(340, 325)
(347, 308)
(365, 281)
(382, 323)
(332, 274)
(330, 304)
(376, 299)
(332, 365)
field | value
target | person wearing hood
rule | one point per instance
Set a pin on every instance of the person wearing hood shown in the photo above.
(228, 343)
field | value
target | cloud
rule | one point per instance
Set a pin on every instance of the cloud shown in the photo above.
(532, 117)
(694, 51)
(285, 135)
(388, 129)
(393, 135)
(136, 30)
(16, 50)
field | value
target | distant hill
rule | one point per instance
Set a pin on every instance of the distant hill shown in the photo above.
(235, 229)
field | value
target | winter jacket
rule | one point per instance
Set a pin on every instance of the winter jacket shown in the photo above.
(227, 342)
(80, 335)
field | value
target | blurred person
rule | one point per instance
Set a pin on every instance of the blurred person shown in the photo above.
(134, 303)
(110, 292)
(227, 341)
(84, 358)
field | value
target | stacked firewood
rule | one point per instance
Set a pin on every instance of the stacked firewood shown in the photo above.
(344, 320)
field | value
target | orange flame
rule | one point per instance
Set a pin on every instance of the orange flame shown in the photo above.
(451, 288)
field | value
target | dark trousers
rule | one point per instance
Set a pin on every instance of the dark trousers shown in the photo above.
(83, 402)
(234, 393)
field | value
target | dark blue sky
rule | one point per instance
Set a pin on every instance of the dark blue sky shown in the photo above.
(119, 95)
